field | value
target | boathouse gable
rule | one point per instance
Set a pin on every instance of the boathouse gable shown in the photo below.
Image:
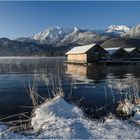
(135, 54)
(97, 53)
(118, 54)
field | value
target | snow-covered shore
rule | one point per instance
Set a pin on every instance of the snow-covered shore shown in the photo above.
(56, 119)
(6, 134)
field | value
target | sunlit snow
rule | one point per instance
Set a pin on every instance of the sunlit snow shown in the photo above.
(56, 119)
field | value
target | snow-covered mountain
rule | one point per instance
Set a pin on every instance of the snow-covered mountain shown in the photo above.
(117, 29)
(52, 35)
(134, 32)
(58, 36)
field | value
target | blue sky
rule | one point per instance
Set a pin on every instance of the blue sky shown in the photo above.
(23, 19)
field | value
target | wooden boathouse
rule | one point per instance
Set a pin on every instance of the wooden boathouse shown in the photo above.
(94, 53)
(86, 54)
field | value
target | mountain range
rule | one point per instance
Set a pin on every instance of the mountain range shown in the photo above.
(57, 39)
(58, 36)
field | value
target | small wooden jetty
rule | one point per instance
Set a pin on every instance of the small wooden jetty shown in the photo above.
(104, 63)
(76, 63)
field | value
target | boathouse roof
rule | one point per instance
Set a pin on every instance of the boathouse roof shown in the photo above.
(112, 50)
(80, 49)
(129, 49)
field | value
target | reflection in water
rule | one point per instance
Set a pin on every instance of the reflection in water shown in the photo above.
(87, 73)
(106, 86)
(122, 84)
(91, 85)
(78, 72)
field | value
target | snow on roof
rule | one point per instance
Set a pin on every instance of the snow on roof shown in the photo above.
(129, 49)
(112, 50)
(81, 49)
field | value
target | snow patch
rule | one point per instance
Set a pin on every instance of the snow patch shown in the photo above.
(58, 119)
(136, 117)
(6, 134)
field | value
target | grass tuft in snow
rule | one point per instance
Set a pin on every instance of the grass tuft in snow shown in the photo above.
(125, 108)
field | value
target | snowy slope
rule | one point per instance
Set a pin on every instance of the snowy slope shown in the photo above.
(6, 134)
(83, 37)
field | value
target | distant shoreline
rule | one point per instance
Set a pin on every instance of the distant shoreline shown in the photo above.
(31, 57)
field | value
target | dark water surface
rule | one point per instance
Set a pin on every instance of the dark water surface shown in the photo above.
(97, 89)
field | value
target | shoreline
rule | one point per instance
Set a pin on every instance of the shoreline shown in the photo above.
(31, 57)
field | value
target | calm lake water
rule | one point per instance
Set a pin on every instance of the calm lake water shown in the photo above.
(96, 89)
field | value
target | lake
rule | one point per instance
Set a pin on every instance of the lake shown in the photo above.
(97, 89)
